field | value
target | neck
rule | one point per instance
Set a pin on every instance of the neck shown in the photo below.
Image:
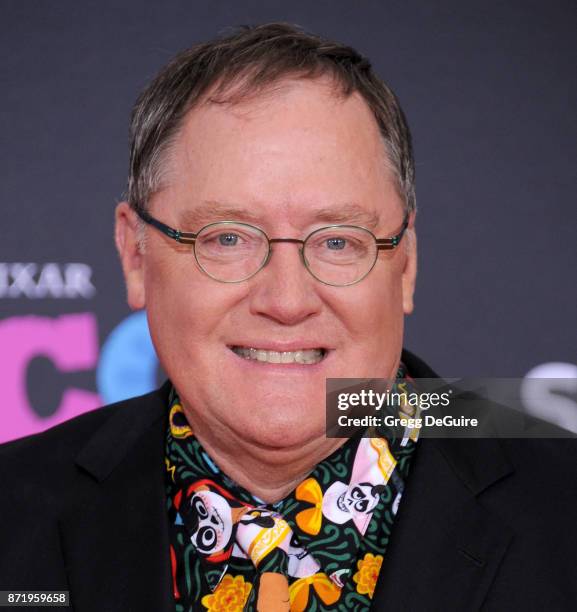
(267, 473)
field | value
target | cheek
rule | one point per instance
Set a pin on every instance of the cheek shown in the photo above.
(184, 307)
(373, 321)
(375, 309)
(168, 305)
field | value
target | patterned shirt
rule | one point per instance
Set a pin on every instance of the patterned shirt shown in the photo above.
(324, 542)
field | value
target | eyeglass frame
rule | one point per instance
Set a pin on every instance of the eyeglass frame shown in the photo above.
(387, 244)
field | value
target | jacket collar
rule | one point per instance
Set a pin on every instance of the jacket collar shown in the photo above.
(476, 463)
(120, 433)
(445, 547)
(115, 538)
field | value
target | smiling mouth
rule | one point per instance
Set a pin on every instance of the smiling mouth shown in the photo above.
(301, 356)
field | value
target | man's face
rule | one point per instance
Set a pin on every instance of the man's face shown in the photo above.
(291, 161)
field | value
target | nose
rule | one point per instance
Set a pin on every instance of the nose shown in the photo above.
(283, 290)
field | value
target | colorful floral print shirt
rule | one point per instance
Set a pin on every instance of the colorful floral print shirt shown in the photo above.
(320, 548)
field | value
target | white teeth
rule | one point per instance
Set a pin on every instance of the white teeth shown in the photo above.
(308, 356)
(273, 357)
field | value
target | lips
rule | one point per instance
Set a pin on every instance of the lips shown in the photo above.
(303, 356)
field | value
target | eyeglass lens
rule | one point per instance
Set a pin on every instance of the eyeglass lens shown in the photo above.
(233, 252)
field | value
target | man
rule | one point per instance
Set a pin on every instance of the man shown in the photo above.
(269, 233)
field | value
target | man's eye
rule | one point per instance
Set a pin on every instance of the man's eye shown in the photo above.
(228, 239)
(336, 244)
(339, 245)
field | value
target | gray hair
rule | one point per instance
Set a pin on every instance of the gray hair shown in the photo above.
(243, 64)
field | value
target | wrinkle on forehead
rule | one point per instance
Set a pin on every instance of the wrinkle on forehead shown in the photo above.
(211, 210)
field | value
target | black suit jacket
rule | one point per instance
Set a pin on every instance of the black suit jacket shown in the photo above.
(483, 524)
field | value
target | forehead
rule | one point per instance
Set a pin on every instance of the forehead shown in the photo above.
(298, 148)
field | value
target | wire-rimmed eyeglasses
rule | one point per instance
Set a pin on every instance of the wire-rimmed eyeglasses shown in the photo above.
(233, 251)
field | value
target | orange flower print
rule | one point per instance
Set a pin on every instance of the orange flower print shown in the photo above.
(229, 596)
(366, 578)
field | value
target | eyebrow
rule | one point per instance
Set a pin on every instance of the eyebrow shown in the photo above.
(210, 211)
(352, 214)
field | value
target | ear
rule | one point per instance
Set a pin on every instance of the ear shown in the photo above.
(410, 270)
(131, 257)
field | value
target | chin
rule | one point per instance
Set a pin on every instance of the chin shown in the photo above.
(280, 430)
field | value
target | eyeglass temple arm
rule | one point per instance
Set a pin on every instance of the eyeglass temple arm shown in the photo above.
(391, 243)
(183, 237)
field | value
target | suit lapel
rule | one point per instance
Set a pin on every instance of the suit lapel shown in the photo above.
(445, 547)
(115, 542)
